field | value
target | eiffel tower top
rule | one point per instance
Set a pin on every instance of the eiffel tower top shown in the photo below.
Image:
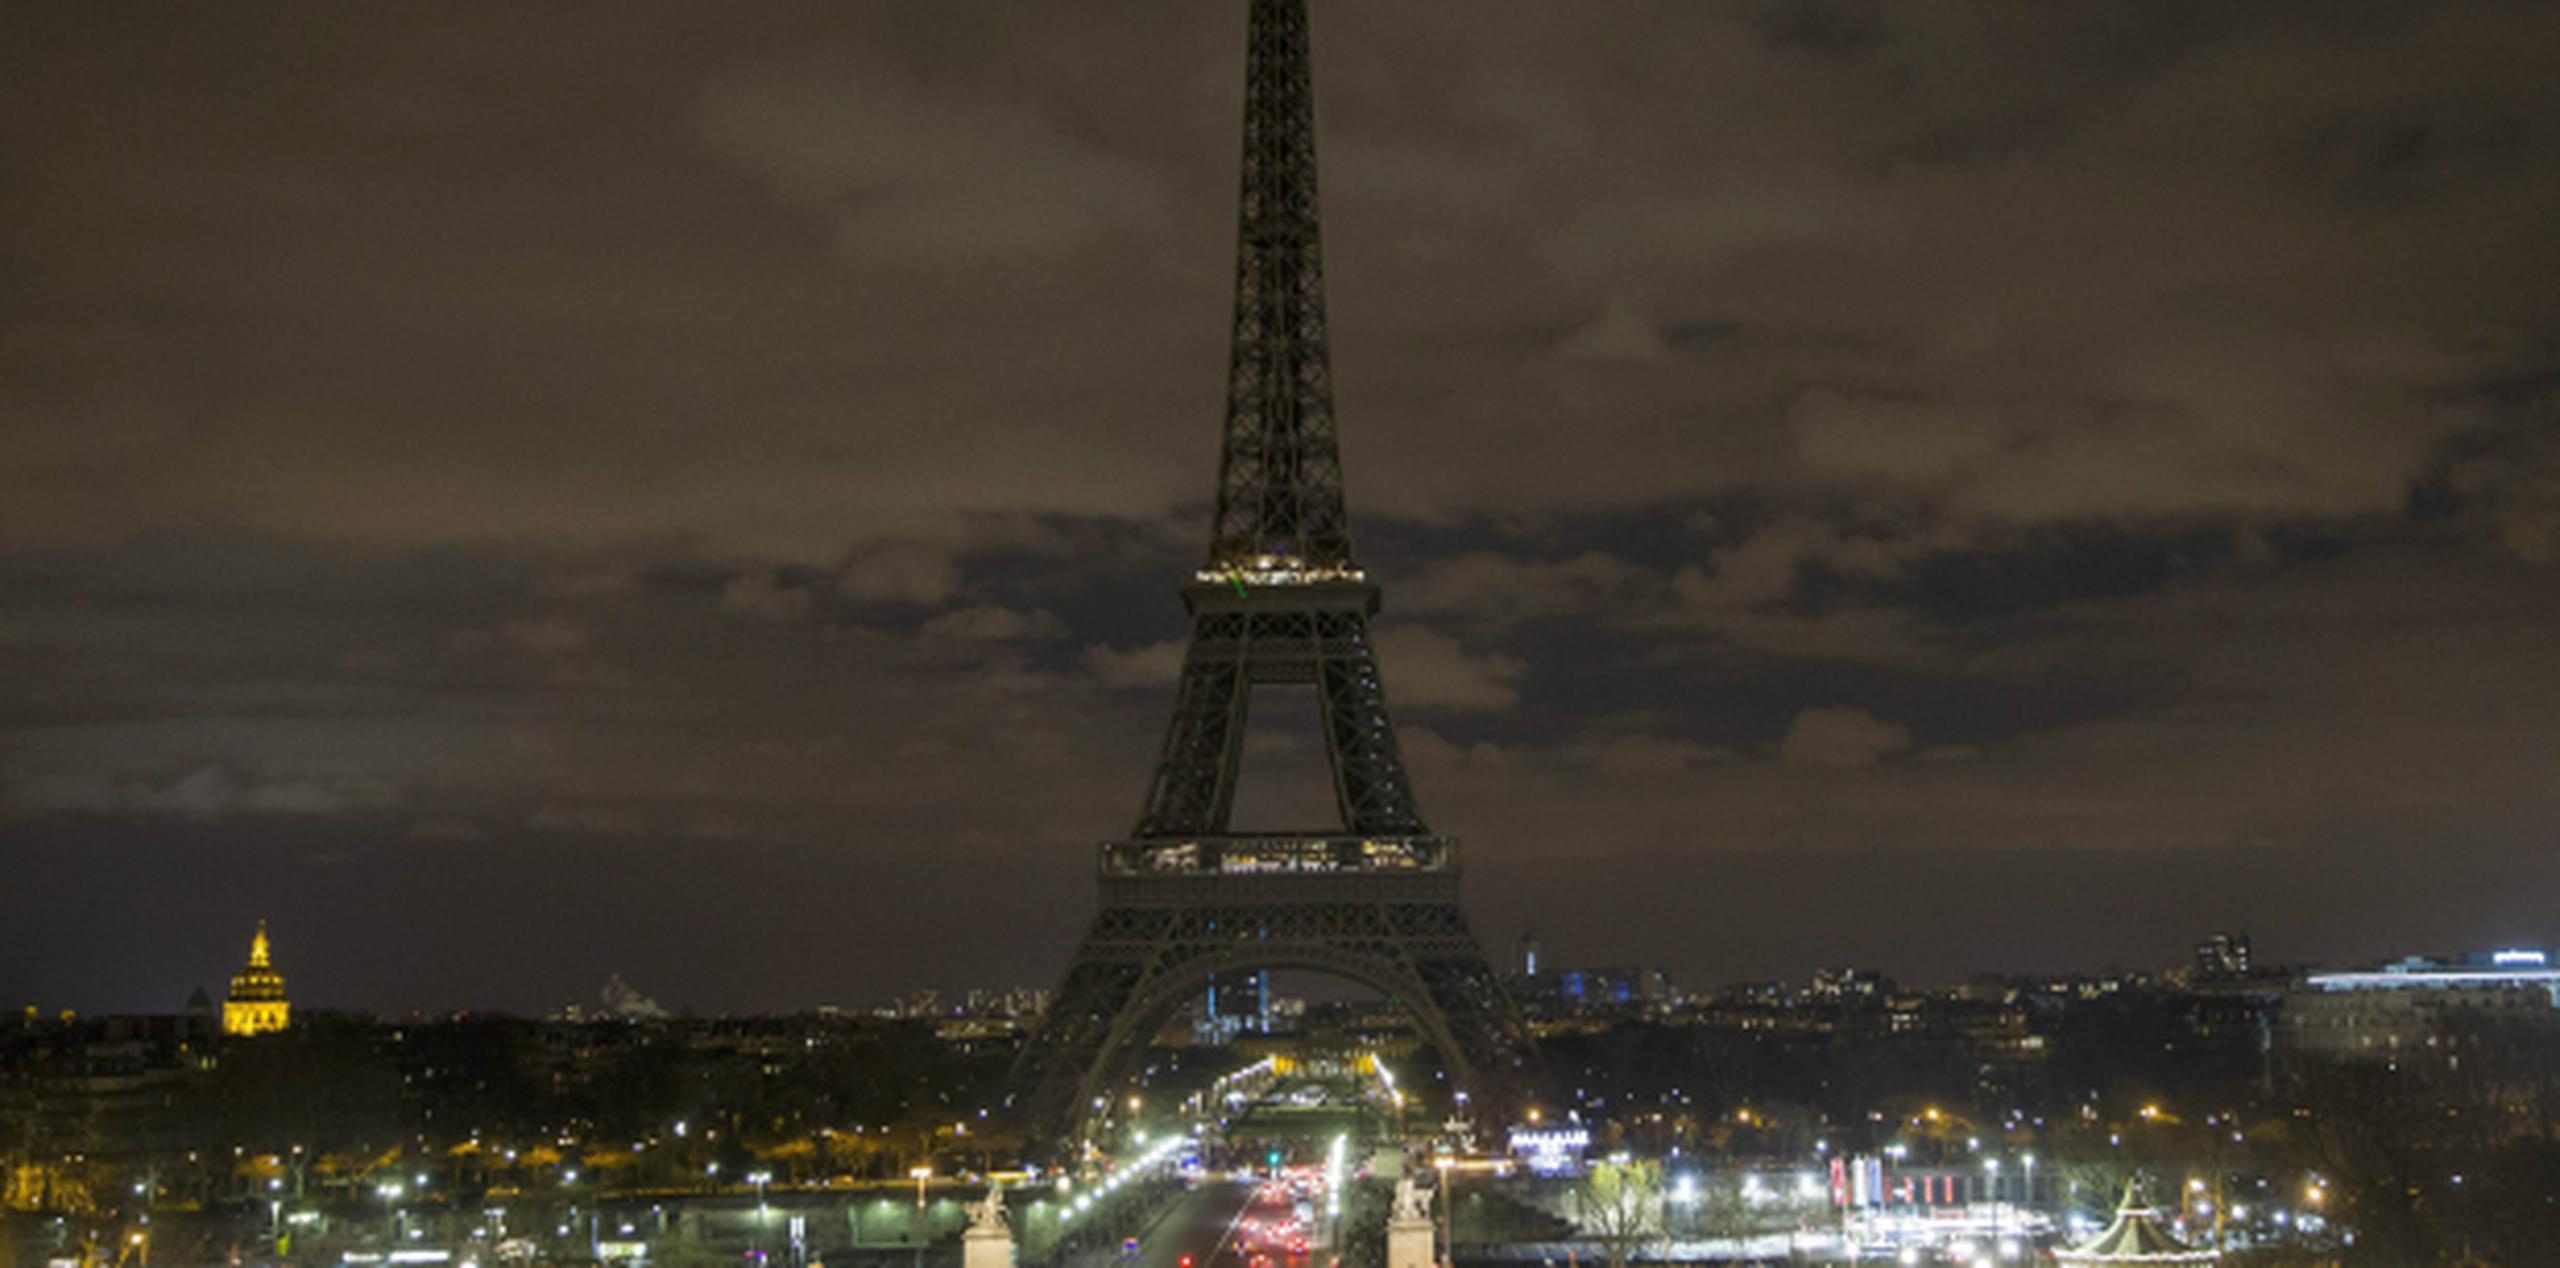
(1280, 509)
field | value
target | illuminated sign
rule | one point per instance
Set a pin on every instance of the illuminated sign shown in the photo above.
(1551, 1150)
(2534, 958)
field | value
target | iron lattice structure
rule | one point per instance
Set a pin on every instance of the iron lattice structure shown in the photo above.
(1280, 600)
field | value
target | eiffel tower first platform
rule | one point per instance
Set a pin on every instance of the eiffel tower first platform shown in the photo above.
(1281, 600)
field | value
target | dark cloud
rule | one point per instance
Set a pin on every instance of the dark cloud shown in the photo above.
(1838, 448)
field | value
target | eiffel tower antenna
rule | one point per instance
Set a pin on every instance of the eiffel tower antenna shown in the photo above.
(1186, 899)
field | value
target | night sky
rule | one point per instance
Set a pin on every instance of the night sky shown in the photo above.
(512, 494)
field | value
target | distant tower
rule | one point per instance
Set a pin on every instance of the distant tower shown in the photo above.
(2222, 957)
(1528, 966)
(1237, 1004)
(256, 1004)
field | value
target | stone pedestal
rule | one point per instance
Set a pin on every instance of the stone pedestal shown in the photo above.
(986, 1248)
(1409, 1243)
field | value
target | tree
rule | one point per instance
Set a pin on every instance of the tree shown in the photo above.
(1619, 1206)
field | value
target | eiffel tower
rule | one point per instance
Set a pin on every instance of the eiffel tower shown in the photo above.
(1281, 600)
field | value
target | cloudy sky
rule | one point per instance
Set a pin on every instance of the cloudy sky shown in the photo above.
(514, 494)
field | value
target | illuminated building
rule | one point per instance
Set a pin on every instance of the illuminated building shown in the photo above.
(1618, 987)
(2514, 968)
(2222, 956)
(1237, 1004)
(256, 1005)
(2136, 1237)
(2419, 1007)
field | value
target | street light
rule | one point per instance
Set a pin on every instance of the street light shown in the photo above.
(920, 1175)
(1991, 1168)
(759, 1179)
(390, 1195)
(1448, 1205)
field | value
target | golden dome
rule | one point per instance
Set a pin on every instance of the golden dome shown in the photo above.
(257, 1003)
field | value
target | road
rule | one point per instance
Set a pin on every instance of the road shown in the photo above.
(1200, 1224)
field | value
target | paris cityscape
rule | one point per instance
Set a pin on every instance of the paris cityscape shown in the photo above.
(648, 635)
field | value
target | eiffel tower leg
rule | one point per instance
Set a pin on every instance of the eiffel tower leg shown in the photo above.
(1369, 781)
(1195, 778)
(1482, 1021)
(1052, 1074)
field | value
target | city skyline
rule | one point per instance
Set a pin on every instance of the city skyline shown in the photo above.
(1841, 498)
(257, 1001)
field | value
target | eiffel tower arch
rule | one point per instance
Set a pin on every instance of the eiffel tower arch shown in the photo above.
(1280, 600)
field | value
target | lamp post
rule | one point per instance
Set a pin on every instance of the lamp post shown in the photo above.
(920, 1175)
(759, 1179)
(1991, 1170)
(1448, 1208)
(390, 1195)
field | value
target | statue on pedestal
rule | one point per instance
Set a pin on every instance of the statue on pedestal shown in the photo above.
(1409, 1232)
(988, 1243)
(988, 1215)
(1411, 1202)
